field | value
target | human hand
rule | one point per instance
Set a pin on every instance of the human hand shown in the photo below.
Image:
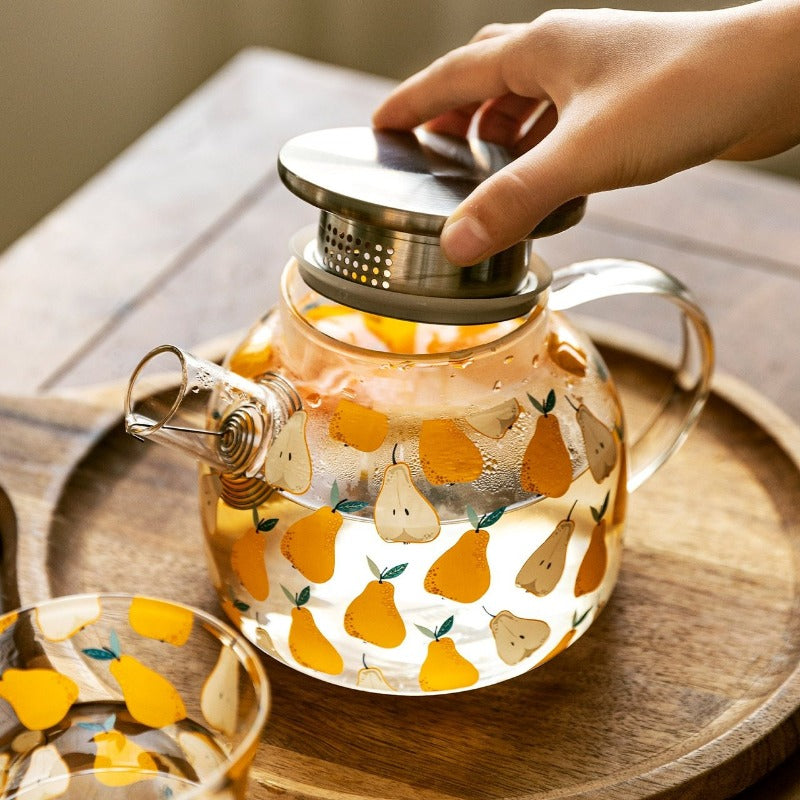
(618, 98)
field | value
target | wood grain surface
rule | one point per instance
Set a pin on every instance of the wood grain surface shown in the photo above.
(686, 686)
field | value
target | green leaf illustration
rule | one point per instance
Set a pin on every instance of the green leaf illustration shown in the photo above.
(265, 525)
(373, 568)
(535, 403)
(446, 626)
(550, 402)
(335, 494)
(113, 644)
(94, 727)
(493, 517)
(99, 654)
(474, 520)
(394, 572)
(292, 598)
(241, 605)
(256, 518)
(109, 722)
(350, 506)
(427, 631)
(576, 620)
(304, 596)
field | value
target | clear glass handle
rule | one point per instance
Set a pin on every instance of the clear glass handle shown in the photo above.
(681, 405)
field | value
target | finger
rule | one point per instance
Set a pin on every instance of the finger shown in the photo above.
(470, 74)
(455, 122)
(505, 208)
(501, 120)
(495, 29)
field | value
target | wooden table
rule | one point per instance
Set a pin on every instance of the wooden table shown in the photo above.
(182, 238)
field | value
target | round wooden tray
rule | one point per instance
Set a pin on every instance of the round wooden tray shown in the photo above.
(686, 686)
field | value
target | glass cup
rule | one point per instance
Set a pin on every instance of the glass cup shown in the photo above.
(122, 696)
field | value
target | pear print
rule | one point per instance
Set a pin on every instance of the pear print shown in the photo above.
(593, 567)
(247, 557)
(306, 642)
(119, 760)
(358, 426)
(40, 697)
(372, 678)
(444, 668)
(402, 513)
(516, 637)
(543, 570)
(598, 441)
(64, 617)
(462, 572)
(150, 698)
(565, 641)
(495, 421)
(309, 543)
(162, 621)
(546, 465)
(219, 698)
(447, 455)
(373, 615)
(288, 462)
(47, 776)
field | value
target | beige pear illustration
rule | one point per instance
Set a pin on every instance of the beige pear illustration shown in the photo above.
(372, 678)
(494, 422)
(542, 571)
(219, 698)
(47, 776)
(598, 440)
(64, 617)
(288, 462)
(402, 513)
(517, 637)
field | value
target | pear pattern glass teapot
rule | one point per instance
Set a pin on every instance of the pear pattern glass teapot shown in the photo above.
(414, 476)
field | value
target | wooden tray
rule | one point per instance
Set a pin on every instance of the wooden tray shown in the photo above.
(686, 686)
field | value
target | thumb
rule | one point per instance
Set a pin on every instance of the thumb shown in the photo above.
(506, 207)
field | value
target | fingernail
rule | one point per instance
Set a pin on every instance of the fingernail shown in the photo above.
(465, 241)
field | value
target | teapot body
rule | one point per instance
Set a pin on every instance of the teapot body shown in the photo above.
(444, 509)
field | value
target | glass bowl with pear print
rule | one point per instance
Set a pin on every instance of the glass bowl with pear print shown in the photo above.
(117, 696)
(414, 475)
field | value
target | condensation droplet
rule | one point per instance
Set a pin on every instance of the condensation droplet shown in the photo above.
(313, 400)
(498, 385)
(462, 364)
(535, 360)
(508, 359)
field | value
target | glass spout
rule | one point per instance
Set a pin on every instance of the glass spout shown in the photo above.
(199, 408)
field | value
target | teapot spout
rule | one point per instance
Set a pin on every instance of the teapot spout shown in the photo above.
(197, 407)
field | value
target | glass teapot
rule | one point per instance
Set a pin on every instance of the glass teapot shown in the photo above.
(413, 475)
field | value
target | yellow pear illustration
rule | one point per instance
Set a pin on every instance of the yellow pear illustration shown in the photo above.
(402, 513)
(25, 742)
(447, 455)
(496, 421)
(444, 668)
(567, 355)
(546, 465)
(598, 441)
(119, 761)
(462, 572)
(288, 462)
(309, 543)
(247, 557)
(373, 615)
(219, 698)
(7, 620)
(46, 777)
(40, 697)
(595, 560)
(150, 698)
(565, 641)
(156, 619)
(372, 678)
(358, 426)
(543, 570)
(517, 637)
(64, 617)
(306, 642)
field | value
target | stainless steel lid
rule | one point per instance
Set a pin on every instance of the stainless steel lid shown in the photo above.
(384, 198)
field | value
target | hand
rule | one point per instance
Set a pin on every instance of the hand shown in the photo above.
(595, 100)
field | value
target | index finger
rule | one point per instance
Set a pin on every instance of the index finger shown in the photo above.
(463, 77)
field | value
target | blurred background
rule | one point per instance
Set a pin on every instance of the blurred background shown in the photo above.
(81, 79)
